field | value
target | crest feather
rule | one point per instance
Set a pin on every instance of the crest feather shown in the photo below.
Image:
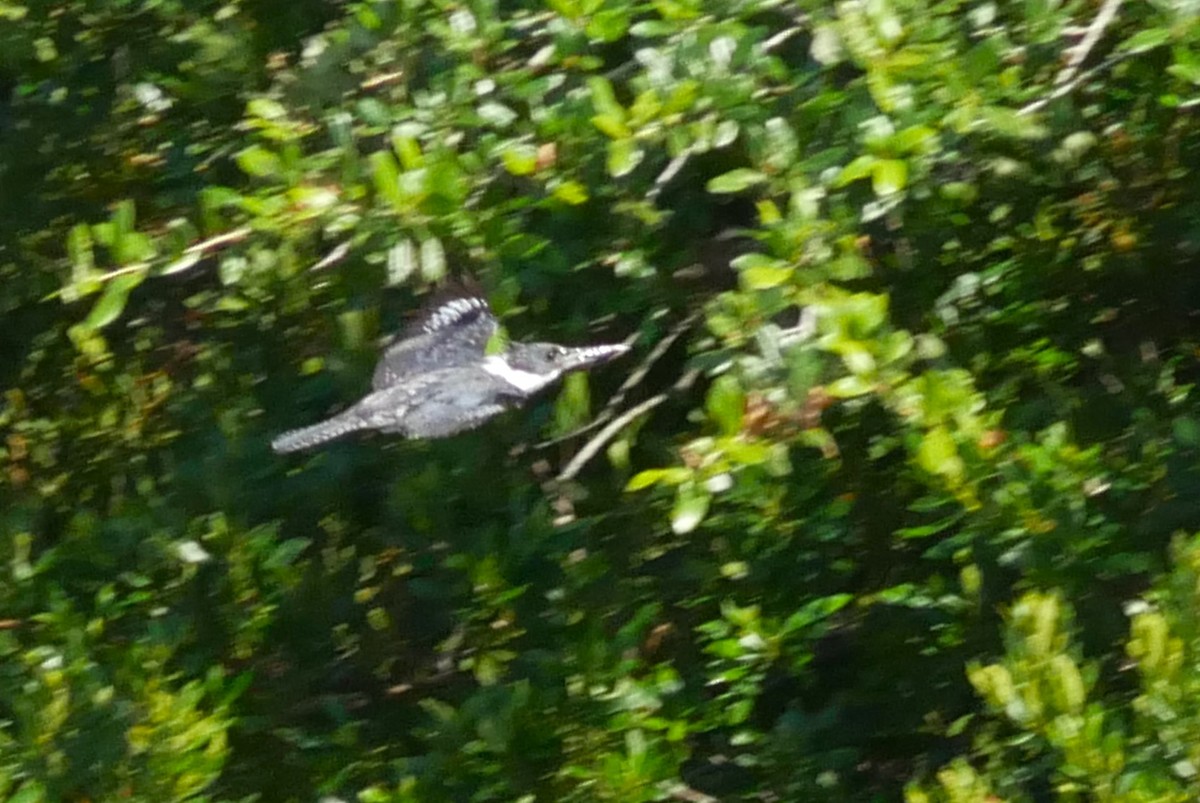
(454, 304)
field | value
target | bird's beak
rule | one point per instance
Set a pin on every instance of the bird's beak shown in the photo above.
(589, 356)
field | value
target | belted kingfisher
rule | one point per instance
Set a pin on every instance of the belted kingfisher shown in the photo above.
(437, 379)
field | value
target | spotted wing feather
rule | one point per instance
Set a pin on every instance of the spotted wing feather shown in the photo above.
(451, 333)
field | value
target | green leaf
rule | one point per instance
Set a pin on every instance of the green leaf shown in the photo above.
(764, 277)
(691, 506)
(815, 611)
(79, 248)
(433, 260)
(848, 387)
(571, 192)
(938, 454)
(83, 264)
(609, 25)
(520, 159)
(1144, 40)
(657, 476)
(497, 114)
(1186, 431)
(915, 139)
(736, 180)
(407, 146)
(30, 792)
(889, 176)
(725, 404)
(604, 100)
(402, 262)
(857, 170)
(259, 162)
(385, 174)
(112, 301)
(612, 125)
(1189, 72)
(574, 403)
(1009, 123)
(266, 108)
(623, 156)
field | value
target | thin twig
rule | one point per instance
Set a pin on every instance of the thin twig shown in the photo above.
(593, 446)
(376, 81)
(1079, 53)
(1068, 88)
(632, 381)
(192, 250)
(219, 240)
(133, 267)
(669, 172)
(638, 374)
(333, 257)
(781, 37)
(601, 438)
(1070, 76)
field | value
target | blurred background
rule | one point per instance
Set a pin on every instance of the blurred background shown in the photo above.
(896, 497)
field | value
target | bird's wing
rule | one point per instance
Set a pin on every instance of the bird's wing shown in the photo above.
(451, 333)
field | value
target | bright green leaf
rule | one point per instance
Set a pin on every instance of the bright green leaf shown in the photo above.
(736, 180)
(571, 192)
(386, 176)
(259, 162)
(889, 176)
(520, 159)
(691, 506)
(433, 260)
(1146, 39)
(112, 301)
(623, 156)
(725, 404)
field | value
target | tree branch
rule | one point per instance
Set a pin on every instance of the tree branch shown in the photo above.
(601, 438)
(1069, 78)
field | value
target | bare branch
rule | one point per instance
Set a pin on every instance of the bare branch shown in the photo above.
(593, 446)
(1079, 53)
(669, 172)
(1070, 77)
(781, 37)
(638, 374)
(632, 381)
(601, 438)
(219, 240)
(334, 256)
(1067, 88)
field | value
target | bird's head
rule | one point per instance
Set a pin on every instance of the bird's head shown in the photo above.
(531, 366)
(553, 360)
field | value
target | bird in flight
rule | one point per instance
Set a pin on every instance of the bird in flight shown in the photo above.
(438, 378)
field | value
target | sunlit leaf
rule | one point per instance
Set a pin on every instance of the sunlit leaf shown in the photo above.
(691, 506)
(889, 176)
(112, 301)
(520, 159)
(623, 156)
(725, 403)
(259, 162)
(433, 259)
(736, 180)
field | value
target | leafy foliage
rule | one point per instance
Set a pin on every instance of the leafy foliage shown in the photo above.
(910, 424)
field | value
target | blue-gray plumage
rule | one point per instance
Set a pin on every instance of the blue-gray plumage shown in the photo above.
(438, 379)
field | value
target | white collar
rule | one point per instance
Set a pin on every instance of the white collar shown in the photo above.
(524, 381)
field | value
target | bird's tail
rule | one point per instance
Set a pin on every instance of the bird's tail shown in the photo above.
(308, 437)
